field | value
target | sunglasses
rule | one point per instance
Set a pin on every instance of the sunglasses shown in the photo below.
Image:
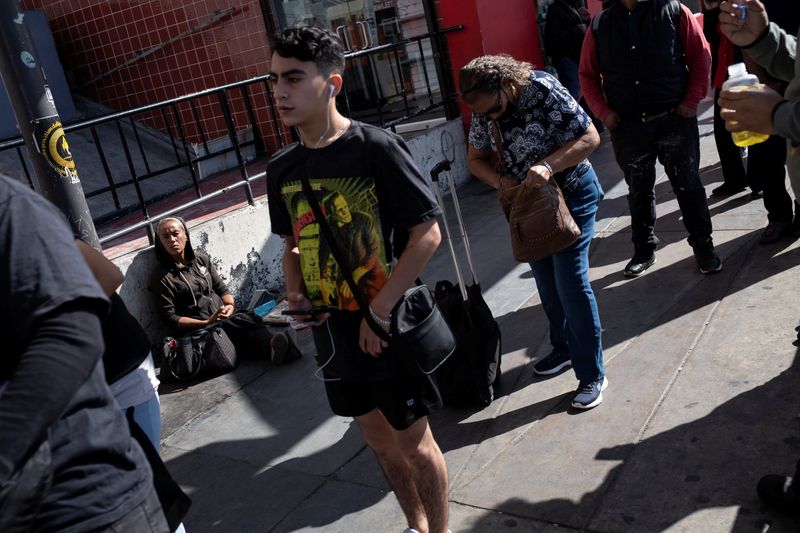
(496, 108)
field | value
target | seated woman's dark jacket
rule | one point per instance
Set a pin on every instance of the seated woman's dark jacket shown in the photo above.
(194, 290)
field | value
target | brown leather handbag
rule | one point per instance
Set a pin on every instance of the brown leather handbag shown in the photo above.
(538, 218)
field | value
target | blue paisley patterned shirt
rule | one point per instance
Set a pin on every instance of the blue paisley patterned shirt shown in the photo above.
(545, 119)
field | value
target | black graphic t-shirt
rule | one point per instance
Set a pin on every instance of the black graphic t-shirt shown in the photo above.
(370, 191)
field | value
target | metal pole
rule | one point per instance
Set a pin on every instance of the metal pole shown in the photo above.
(444, 68)
(55, 175)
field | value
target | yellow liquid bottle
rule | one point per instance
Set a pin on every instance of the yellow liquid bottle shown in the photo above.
(740, 80)
(748, 138)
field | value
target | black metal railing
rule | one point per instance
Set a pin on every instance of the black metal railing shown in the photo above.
(123, 173)
(183, 135)
(396, 82)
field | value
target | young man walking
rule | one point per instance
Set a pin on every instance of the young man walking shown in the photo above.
(372, 170)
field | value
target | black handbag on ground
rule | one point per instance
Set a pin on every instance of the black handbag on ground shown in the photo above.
(419, 336)
(208, 350)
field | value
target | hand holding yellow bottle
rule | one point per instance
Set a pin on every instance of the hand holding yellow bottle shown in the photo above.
(739, 80)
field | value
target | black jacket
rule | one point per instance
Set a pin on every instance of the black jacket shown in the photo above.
(194, 290)
(567, 21)
(642, 60)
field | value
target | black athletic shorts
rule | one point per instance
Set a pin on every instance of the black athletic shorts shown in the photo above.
(402, 401)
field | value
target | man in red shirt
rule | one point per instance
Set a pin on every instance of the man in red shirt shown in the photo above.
(644, 69)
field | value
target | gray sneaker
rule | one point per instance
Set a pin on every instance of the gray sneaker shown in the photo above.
(589, 393)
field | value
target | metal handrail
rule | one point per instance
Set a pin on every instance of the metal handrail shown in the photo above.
(148, 223)
(395, 44)
(182, 154)
(96, 121)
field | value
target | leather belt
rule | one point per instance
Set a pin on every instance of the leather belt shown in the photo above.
(647, 118)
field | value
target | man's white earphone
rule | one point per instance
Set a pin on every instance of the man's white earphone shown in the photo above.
(332, 90)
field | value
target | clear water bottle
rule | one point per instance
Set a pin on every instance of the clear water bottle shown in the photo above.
(740, 80)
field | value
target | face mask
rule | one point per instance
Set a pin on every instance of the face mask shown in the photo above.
(511, 108)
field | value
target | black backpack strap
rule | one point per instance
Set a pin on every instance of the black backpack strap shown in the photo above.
(596, 22)
(675, 13)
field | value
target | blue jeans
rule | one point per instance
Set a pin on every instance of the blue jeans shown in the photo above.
(565, 291)
(568, 76)
(147, 416)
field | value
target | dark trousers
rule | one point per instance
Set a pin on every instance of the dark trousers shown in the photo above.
(730, 155)
(766, 166)
(675, 142)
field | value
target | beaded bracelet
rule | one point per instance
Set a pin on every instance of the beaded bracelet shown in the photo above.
(381, 321)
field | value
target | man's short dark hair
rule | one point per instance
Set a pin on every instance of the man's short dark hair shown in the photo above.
(309, 43)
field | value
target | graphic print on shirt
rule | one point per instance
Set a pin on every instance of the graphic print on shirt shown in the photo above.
(350, 206)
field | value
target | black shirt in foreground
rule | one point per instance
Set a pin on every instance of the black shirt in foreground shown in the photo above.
(50, 312)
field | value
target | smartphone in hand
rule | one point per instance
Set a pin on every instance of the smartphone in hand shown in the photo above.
(303, 324)
(301, 312)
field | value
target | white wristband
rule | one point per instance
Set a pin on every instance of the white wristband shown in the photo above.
(546, 165)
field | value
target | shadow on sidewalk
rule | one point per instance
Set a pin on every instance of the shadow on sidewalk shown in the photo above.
(231, 493)
(712, 462)
(627, 310)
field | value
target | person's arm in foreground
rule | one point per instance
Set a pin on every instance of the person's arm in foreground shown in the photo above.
(53, 307)
(763, 110)
(295, 286)
(765, 42)
(107, 274)
(64, 348)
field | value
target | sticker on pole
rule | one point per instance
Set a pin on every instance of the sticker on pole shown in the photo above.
(27, 59)
(52, 144)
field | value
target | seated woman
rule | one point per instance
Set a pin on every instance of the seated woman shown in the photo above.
(192, 296)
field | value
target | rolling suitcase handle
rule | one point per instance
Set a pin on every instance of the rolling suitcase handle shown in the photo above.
(440, 167)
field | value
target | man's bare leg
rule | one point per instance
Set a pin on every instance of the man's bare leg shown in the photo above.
(414, 467)
(429, 470)
(379, 435)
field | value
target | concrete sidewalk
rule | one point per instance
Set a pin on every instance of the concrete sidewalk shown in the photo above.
(703, 399)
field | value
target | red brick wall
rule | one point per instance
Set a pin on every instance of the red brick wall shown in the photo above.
(490, 27)
(92, 37)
